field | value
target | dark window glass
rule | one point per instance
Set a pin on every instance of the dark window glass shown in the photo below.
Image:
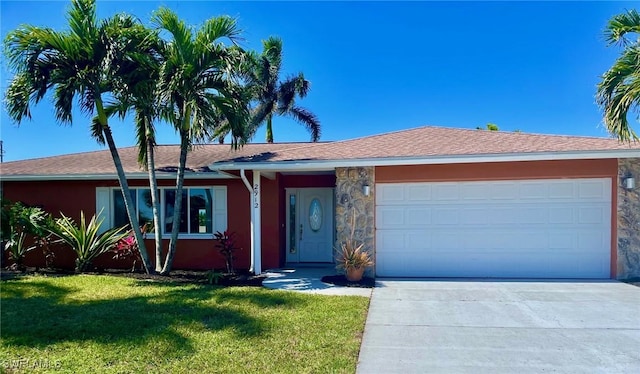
(200, 215)
(119, 211)
(169, 200)
(145, 209)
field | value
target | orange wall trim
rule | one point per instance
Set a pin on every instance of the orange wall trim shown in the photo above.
(498, 171)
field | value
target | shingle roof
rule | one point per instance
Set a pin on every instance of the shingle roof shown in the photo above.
(425, 141)
(166, 159)
(440, 141)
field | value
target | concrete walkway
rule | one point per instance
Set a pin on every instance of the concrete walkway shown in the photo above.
(307, 280)
(433, 326)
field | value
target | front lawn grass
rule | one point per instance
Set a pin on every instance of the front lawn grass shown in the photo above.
(92, 324)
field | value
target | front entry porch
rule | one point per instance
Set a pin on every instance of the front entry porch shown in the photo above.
(307, 279)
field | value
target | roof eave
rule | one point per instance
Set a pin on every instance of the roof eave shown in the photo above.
(130, 176)
(316, 165)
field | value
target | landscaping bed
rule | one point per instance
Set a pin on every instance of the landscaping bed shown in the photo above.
(240, 278)
(341, 280)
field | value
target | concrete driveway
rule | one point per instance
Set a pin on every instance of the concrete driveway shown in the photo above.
(432, 326)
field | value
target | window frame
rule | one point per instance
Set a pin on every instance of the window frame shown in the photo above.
(218, 206)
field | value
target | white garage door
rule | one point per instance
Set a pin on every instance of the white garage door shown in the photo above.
(531, 229)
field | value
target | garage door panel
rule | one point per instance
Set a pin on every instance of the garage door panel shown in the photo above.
(535, 190)
(446, 216)
(390, 194)
(537, 229)
(446, 191)
(417, 216)
(591, 240)
(592, 215)
(418, 193)
(561, 215)
(592, 190)
(388, 217)
(561, 190)
(502, 191)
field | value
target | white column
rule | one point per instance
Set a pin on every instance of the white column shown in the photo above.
(252, 223)
(257, 227)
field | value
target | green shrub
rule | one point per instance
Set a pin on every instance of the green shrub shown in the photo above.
(24, 229)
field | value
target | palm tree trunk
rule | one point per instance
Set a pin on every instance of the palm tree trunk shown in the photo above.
(155, 201)
(124, 186)
(269, 129)
(177, 206)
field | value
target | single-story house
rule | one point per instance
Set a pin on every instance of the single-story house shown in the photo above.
(427, 202)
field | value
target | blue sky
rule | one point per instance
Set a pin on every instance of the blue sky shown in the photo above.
(382, 66)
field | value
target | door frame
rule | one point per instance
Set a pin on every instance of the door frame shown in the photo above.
(294, 256)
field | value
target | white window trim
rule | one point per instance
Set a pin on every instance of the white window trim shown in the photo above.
(219, 210)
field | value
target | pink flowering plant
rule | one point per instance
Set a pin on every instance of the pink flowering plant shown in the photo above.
(127, 249)
(226, 245)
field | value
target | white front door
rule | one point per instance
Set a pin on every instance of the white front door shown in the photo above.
(310, 225)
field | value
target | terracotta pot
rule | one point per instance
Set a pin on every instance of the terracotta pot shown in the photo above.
(354, 274)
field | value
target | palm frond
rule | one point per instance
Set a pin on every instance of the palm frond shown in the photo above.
(214, 29)
(182, 36)
(619, 93)
(621, 25)
(307, 119)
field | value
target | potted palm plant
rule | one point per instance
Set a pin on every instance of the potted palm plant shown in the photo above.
(352, 258)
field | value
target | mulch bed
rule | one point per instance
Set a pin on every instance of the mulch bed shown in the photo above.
(241, 278)
(341, 280)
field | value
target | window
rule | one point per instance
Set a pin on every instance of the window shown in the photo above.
(204, 209)
(196, 213)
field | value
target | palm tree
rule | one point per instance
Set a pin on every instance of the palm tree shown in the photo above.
(275, 97)
(137, 93)
(619, 90)
(196, 89)
(82, 63)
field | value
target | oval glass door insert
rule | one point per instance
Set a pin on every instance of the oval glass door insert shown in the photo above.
(315, 215)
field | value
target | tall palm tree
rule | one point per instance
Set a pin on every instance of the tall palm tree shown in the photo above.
(196, 89)
(82, 63)
(619, 90)
(277, 97)
(137, 93)
(272, 96)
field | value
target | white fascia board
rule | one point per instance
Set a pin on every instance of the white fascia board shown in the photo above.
(317, 165)
(130, 176)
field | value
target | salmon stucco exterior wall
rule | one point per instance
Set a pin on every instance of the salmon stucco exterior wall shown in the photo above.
(71, 197)
(628, 219)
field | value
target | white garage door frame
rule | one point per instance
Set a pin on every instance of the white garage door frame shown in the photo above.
(543, 228)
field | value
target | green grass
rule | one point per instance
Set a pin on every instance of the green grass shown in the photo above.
(95, 324)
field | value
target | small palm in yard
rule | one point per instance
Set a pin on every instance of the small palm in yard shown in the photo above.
(85, 239)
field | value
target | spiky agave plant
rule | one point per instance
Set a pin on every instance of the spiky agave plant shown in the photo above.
(352, 256)
(85, 239)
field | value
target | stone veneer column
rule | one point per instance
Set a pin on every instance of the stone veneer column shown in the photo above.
(350, 198)
(628, 221)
